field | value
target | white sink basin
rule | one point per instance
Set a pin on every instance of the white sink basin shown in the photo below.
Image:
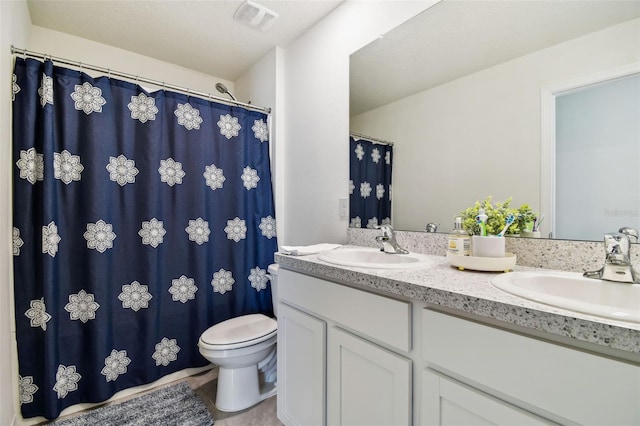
(572, 291)
(364, 257)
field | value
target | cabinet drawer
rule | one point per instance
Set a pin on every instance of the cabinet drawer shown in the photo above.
(539, 376)
(381, 318)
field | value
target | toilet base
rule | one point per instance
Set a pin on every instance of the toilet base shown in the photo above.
(239, 388)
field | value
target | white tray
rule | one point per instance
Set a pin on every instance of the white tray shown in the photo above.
(493, 264)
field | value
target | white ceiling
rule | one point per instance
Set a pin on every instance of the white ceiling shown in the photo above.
(457, 37)
(449, 40)
(200, 35)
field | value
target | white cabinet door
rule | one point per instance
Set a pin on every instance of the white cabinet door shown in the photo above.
(301, 367)
(448, 403)
(366, 384)
(553, 380)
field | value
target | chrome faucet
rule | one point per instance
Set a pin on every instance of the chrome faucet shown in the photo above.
(617, 263)
(388, 241)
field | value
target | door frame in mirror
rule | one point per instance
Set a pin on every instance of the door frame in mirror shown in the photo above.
(548, 132)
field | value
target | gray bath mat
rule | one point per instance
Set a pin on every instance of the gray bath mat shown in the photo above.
(176, 405)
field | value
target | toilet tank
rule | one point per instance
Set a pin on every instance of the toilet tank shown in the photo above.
(273, 276)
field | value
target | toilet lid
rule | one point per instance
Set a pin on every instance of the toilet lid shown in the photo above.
(247, 328)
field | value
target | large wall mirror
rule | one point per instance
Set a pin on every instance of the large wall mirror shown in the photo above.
(460, 91)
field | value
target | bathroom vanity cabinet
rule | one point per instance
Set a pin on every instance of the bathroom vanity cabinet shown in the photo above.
(348, 355)
(362, 339)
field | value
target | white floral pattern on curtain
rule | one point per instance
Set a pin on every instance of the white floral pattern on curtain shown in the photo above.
(140, 220)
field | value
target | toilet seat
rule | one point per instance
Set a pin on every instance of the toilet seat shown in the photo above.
(243, 331)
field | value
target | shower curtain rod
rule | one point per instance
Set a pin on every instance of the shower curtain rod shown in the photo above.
(137, 79)
(369, 138)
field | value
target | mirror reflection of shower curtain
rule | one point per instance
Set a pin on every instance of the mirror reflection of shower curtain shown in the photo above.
(370, 183)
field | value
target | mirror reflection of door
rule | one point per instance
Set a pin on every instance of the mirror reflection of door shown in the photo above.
(597, 171)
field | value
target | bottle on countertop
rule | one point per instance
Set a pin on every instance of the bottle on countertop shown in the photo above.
(459, 240)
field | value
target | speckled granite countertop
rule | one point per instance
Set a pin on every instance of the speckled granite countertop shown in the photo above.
(469, 291)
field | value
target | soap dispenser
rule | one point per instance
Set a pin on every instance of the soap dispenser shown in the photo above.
(459, 240)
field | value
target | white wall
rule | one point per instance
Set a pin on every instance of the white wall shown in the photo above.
(317, 115)
(14, 29)
(67, 46)
(480, 135)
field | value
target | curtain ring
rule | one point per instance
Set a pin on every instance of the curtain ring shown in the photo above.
(80, 66)
(164, 86)
(188, 94)
(109, 73)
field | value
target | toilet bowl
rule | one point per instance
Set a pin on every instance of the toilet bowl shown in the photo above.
(244, 349)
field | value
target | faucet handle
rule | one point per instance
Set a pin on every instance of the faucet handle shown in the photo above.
(388, 240)
(387, 230)
(617, 247)
(617, 265)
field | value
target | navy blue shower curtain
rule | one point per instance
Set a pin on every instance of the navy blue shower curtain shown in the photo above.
(370, 183)
(140, 219)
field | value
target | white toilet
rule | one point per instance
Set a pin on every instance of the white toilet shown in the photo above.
(244, 349)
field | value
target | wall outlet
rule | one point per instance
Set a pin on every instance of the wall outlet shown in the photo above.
(343, 208)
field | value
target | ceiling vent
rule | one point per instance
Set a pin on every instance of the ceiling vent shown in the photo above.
(255, 15)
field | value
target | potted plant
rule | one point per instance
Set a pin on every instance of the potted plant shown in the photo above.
(495, 222)
(496, 217)
(525, 219)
